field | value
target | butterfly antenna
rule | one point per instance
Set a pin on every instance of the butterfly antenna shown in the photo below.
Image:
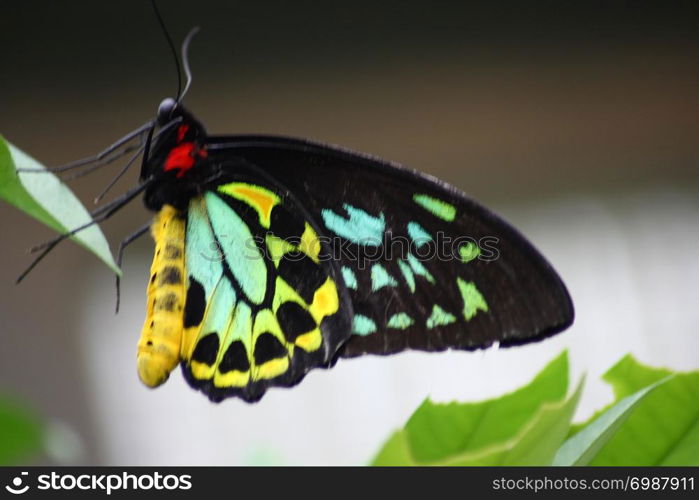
(185, 60)
(172, 49)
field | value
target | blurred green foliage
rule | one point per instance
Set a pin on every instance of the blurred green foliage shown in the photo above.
(21, 433)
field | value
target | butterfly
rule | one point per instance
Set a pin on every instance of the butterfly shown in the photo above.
(275, 255)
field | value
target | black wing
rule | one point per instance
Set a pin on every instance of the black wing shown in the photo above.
(426, 267)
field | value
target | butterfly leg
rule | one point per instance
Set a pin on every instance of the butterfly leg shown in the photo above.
(146, 153)
(103, 163)
(102, 154)
(99, 215)
(120, 255)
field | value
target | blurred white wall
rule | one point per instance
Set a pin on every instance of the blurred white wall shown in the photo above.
(630, 262)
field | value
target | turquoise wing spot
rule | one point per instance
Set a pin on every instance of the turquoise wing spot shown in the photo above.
(418, 234)
(203, 257)
(363, 325)
(218, 315)
(400, 321)
(243, 258)
(469, 251)
(419, 269)
(439, 317)
(436, 207)
(360, 228)
(349, 277)
(380, 278)
(233, 365)
(473, 300)
(407, 275)
(241, 327)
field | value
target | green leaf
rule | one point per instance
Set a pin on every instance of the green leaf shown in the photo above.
(583, 446)
(43, 196)
(436, 431)
(394, 452)
(21, 433)
(535, 443)
(525, 427)
(663, 428)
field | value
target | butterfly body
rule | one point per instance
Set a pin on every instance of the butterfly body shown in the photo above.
(286, 255)
(161, 341)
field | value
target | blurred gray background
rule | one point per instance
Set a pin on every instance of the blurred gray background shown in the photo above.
(579, 123)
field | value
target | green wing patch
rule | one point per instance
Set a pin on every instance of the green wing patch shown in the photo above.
(262, 308)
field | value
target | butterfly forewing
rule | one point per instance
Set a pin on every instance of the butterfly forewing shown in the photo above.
(424, 266)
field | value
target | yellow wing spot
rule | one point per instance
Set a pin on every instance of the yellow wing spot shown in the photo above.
(233, 378)
(325, 301)
(283, 292)
(202, 371)
(266, 321)
(259, 198)
(161, 337)
(309, 341)
(277, 248)
(310, 244)
(189, 340)
(272, 368)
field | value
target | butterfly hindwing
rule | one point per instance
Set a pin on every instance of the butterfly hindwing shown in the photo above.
(261, 308)
(425, 267)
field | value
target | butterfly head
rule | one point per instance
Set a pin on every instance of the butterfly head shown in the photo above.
(166, 111)
(179, 145)
(178, 155)
(171, 112)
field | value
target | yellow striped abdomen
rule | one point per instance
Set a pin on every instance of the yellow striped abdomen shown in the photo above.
(159, 346)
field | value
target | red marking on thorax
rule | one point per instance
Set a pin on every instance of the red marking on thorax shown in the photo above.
(181, 132)
(183, 156)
